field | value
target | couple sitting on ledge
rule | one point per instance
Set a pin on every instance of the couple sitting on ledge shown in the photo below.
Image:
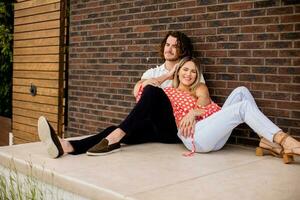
(173, 106)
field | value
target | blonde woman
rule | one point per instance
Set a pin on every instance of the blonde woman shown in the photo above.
(206, 128)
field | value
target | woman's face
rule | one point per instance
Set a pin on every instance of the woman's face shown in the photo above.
(187, 74)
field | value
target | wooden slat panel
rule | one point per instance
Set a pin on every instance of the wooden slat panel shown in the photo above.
(31, 127)
(36, 66)
(36, 99)
(37, 82)
(35, 74)
(36, 107)
(36, 34)
(37, 42)
(37, 18)
(23, 139)
(37, 10)
(34, 114)
(37, 59)
(33, 3)
(40, 91)
(36, 50)
(37, 26)
(24, 128)
(25, 120)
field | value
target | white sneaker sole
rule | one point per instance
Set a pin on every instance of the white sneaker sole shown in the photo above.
(45, 136)
(102, 154)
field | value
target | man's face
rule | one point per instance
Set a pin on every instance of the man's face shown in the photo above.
(170, 49)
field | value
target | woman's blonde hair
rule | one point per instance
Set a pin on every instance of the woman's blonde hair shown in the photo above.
(197, 81)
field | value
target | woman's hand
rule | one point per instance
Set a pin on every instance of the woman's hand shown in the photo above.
(187, 124)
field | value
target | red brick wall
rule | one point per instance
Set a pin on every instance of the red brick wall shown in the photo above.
(250, 43)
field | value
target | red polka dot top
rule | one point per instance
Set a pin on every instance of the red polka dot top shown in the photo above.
(183, 102)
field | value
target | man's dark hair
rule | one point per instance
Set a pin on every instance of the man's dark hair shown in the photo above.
(184, 44)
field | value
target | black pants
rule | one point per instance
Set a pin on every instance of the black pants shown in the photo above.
(151, 120)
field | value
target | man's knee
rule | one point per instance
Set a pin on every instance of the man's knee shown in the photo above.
(152, 90)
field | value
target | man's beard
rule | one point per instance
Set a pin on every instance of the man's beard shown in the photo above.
(172, 59)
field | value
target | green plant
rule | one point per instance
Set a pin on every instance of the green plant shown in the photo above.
(6, 57)
(16, 186)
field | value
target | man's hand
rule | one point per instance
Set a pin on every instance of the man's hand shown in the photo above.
(152, 81)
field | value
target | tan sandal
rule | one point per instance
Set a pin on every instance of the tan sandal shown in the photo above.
(269, 148)
(291, 147)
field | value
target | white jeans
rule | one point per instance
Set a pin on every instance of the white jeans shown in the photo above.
(212, 133)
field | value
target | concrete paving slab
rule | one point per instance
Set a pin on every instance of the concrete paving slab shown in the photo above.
(159, 171)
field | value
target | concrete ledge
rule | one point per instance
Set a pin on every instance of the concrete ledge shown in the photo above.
(159, 171)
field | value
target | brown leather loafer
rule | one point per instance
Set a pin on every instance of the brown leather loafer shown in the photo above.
(102, 148)
(48, 136)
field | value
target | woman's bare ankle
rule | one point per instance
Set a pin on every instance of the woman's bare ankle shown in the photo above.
(278, 137)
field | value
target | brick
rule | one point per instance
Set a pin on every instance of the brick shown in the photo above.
(213, 68)
(206, 46)
(252, 61)
(216, 53)
(241, 6)
(228, 15)
(239, 53)
(266, 20)
(265, 103)
(278, 79)
(251, 77)
(266, 36)
(186, 4)
(280, 11)
(292, 18)
(289, 53)
(216, 38)
(217, 23)
(288, 105)
(217, 8)
(227, 61)
(196, 10)
(208, 16)
(276, 45)
(206, 2)
(290, 36)
(296, 79)
(264, 70)
(280, 28)
(252, 45)
(267, 3)
(240, 37)
(296, 97)
(289, 87)
(252, 29)
(253, 13)
(277, 96)
(288, 122)
(239, 22)
(238, 69)
(228, 30)
(227, 45)
(226, 77)
(289, 70)
(276, 112)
